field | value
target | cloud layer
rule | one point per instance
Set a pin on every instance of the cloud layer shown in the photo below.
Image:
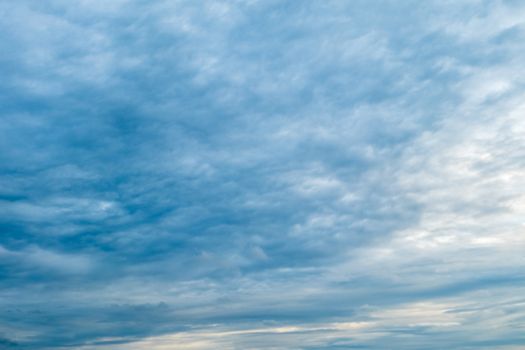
(262, 175)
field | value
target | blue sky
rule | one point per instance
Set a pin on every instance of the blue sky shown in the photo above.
(262, 174)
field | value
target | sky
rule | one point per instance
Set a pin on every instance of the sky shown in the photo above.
(262, 174)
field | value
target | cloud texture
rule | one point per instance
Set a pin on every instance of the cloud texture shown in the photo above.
(262, 174)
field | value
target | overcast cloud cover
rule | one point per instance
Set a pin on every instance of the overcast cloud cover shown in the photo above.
(262, 174)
